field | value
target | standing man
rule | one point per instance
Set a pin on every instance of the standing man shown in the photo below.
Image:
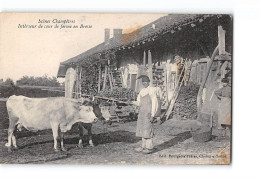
(146, 100)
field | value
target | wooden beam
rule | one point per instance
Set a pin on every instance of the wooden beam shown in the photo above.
(80, 80)
(221, 40)
(110, 79)
(111, 99)
(105, 78)
(144, 58)
(150, 67)
(203, 48)
(199, 99)
(221, 49)
(99, 77)
(76, 83)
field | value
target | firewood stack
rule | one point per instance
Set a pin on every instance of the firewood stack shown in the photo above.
(124, 94)
(185, 106)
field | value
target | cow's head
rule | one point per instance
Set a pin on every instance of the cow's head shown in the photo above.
(86, 114)
(101, 112)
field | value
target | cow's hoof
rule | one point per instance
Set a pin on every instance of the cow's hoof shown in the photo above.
(56, 150)
(109, 123)
(80, 146)
(7, 145)
(64, 149)
(16, 147)
(91, 143)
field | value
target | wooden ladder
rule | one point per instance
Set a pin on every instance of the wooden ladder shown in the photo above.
(117, 78)
(176, 93)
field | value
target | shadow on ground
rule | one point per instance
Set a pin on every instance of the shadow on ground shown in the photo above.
(48, 159)
(178, 138)
(102, 138)
(105, 138)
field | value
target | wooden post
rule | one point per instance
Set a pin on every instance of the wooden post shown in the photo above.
(221, 40)
(99, 77)
(165, 84)
(110, 79)
(150, 67)
(196, 75)
(121, 77)
(144, 58)
(221, 49)
(167, 80)
(203, 48)
(105, 78)
(199, 99)
(80, 81)
(76, 83)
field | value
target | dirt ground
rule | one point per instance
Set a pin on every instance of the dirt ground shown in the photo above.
(113, 146)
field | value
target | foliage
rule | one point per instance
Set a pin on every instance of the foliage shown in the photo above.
(32, 92)
(38, 81)
(8, 88)
(8, 82)
(90, 80)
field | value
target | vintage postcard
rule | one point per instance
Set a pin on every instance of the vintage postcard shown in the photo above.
(122, 89)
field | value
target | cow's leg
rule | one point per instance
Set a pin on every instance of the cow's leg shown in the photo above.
(62, 141)
(80, 126)
(55, 131)
(89, 126)
(10, 135)
(14, 136)
(12, 123)
(14, 142)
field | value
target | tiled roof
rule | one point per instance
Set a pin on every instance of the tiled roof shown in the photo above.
(152, 30)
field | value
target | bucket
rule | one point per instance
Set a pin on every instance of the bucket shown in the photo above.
(204, 134)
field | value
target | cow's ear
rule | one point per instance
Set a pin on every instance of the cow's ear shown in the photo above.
(87, 101)
(80, 100)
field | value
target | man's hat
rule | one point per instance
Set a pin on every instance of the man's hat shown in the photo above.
(144, 78)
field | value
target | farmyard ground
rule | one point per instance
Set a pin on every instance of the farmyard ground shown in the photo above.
(115, 146)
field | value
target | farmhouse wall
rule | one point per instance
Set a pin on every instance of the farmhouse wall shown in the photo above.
(70, 80)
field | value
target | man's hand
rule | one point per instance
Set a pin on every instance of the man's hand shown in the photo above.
(153, 119)
(135, 103)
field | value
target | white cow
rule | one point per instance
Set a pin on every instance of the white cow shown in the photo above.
(58, 114)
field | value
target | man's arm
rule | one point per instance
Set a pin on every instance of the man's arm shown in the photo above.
(137, 102)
